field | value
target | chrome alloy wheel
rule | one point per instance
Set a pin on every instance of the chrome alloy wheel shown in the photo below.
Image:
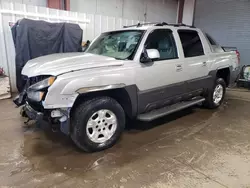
(101, 126)
(218, 94)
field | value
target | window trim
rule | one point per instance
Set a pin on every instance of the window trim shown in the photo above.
(191, 30)
(132, 56)
(174, 43)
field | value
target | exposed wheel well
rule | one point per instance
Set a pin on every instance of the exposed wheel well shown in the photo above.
(225, 74)
(120, 95)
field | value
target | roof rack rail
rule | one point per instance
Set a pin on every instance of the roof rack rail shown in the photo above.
(175, 25)
(182, 24)
(161, 24)
(142, 24)
(158, 24)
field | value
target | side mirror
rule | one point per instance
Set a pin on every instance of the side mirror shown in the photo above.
(150, 55)
(153, 54)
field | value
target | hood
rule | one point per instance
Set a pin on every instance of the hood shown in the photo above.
(56, 64)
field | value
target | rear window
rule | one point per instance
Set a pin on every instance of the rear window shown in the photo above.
(210, 39)
(191, 43)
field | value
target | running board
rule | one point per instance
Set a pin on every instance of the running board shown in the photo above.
(169, 109)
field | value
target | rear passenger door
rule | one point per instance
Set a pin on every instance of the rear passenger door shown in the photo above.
(195, 60)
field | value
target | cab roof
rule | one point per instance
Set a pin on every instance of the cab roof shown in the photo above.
(156, 25)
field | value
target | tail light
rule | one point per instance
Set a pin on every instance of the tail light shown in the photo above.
(238, 56)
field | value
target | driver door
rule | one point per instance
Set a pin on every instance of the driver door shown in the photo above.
(161, 82)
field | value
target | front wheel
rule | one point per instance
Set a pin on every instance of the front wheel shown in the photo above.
(97, 124)
(216, 96)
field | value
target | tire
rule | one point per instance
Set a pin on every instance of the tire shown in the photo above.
(210, 102)
(102, 112)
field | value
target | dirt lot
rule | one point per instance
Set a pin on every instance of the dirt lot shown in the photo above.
(193, 148)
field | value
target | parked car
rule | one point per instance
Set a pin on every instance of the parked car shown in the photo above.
(142, 72)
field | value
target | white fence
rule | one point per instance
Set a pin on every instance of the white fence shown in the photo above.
(92, 26)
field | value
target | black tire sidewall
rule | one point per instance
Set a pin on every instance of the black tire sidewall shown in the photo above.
(85, 112)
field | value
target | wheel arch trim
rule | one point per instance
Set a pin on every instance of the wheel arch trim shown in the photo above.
(131, 92)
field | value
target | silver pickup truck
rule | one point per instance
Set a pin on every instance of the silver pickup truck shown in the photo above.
(142, 72)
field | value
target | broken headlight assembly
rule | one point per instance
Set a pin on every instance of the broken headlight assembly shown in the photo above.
(43, 84)
(35, 95)
(37, 91)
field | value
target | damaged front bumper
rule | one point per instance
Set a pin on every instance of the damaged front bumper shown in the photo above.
(59, 117)
(36, 100)
(19, 100)
(32, 114)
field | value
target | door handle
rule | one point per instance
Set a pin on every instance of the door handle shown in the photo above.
(204, 64)
(178, 68)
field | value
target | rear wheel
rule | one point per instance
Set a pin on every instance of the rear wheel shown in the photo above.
(216, 96)
(97, 124)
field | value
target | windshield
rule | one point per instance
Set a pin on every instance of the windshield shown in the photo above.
(118, 44)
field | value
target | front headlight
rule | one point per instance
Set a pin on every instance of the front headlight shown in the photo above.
(43, 84)
(35, 95)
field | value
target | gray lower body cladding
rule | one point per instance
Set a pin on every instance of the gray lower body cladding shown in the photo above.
(159, 97)
(163, 96)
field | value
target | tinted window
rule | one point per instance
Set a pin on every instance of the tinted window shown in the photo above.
(191, 43)
(163, 41)
(211, 40)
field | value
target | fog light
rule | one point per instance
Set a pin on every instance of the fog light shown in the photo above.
(56, 113)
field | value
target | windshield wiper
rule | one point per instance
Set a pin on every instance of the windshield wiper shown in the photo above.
(117, 58)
